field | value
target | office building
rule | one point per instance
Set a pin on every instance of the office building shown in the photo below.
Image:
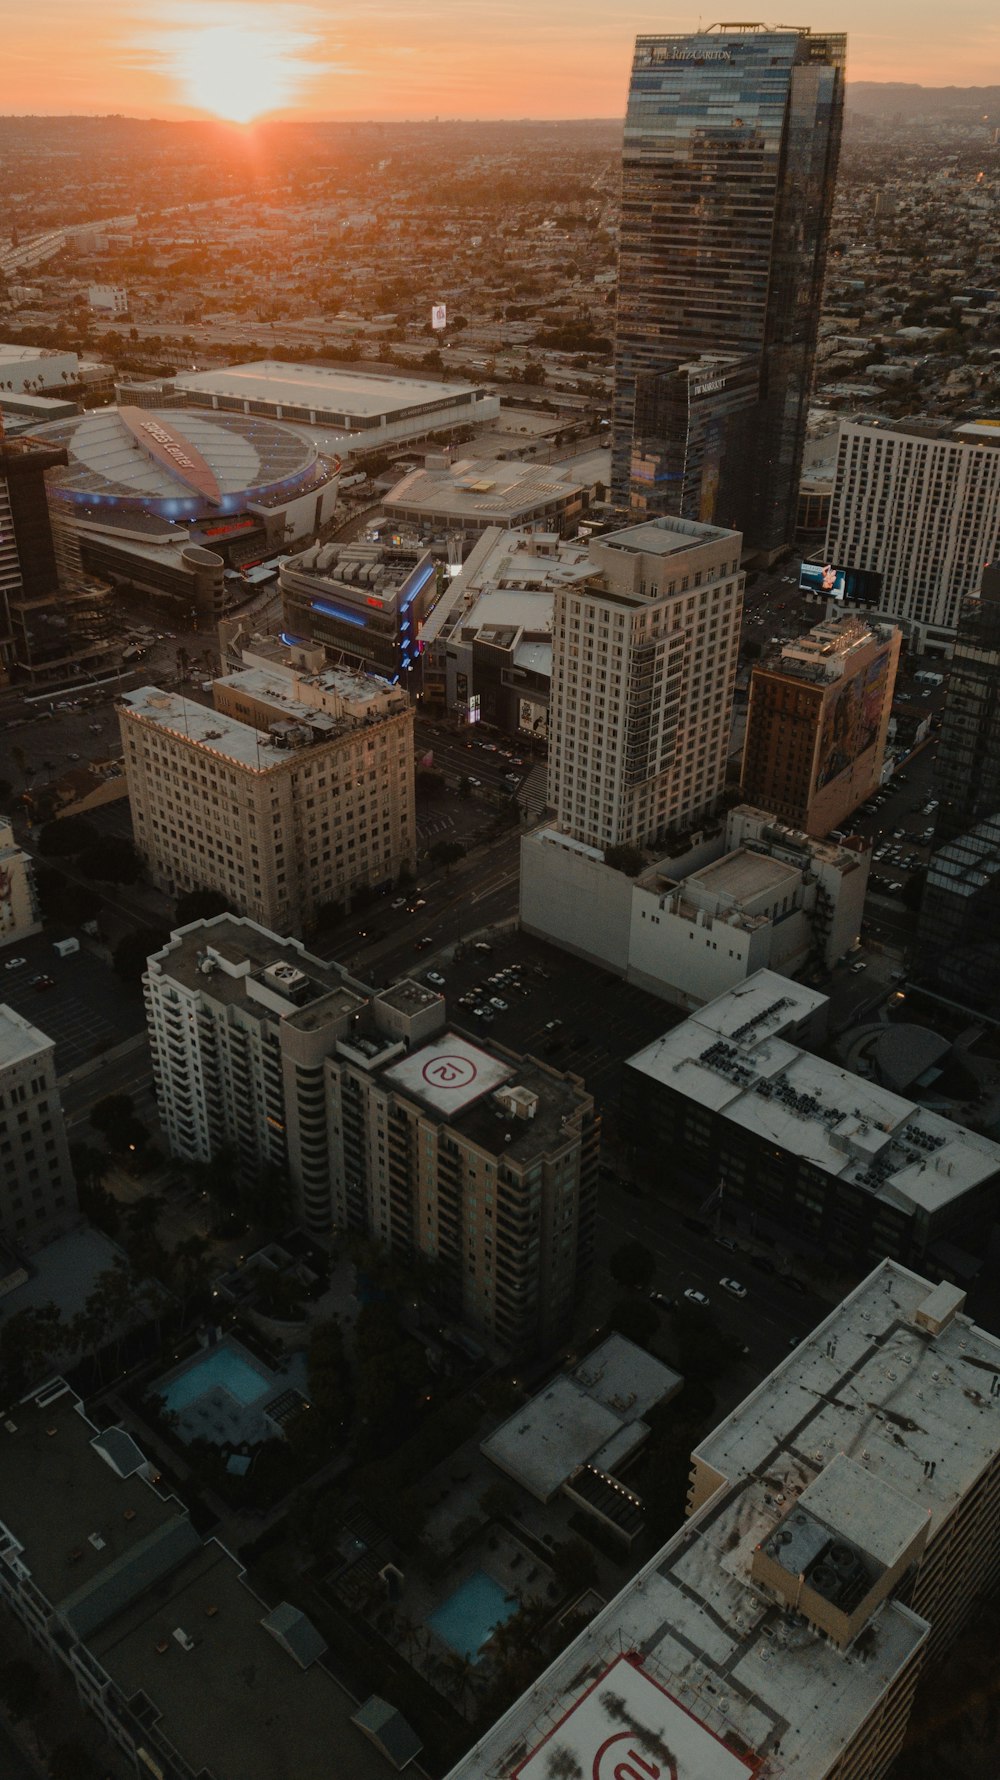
(749, 894)
(488, 641)
(809, 1156)
(386, 1120)
(296, 789)
(732, 137)
(108, 299)
(918, 503)
(817, 723)
(367, 600)
(37, 1190)
(164, 502)
(958, 942)
(186, 1670)
(643, 669)
(842, 1527)
(20, 915)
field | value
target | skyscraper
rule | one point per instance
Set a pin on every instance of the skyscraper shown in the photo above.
(958, 951)
(731, 143)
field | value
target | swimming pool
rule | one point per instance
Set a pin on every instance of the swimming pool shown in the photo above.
(467, 1619)
(224, 1366)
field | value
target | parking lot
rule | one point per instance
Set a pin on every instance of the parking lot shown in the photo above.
(555, 1007)
(82, 1005)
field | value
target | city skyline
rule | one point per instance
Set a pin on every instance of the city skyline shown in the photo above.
(243, 60)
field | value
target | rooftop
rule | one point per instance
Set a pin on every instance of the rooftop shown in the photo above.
(19, 1039)
(742, 877)
(485, 492)
(238, 952)
(895, 1383)
(510, 1106)
(241, 743)
(731, 1058)
(665, 537)
(355, 395)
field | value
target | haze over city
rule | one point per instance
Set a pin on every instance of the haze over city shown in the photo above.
(242, 59)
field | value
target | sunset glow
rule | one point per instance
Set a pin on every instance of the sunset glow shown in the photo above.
(237, 62)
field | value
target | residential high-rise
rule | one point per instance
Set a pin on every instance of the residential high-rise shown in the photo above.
(842, 1528)
(732, 137)
(294, 791)
(917, 502)
(37, 1190)
(958, 946)
(817, 723)
(643, 669)
(384, 1119)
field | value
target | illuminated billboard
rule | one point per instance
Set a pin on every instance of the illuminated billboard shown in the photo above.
(857, 587)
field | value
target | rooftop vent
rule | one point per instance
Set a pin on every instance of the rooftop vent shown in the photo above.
(182, 1638)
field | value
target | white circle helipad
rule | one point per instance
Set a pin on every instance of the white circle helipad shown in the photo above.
(446, 1071)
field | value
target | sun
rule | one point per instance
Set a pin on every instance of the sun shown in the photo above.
(241, 66)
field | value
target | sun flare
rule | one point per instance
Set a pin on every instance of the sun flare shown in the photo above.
(242, 66)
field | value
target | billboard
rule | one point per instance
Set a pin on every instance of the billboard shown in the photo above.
(857, 587)
(439, 316)
(851, 723)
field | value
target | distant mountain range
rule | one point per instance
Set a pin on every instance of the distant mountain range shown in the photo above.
(888, 98)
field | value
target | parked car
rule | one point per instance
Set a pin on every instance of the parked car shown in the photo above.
(694, 1297)
(733, 1286)
(43, 982)
(856, 967)
(435, 977)
(14, 963)
(501, 1006)
(661, 1298)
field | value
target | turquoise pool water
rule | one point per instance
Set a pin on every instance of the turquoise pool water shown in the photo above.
(466, 1620)
(222, 1365)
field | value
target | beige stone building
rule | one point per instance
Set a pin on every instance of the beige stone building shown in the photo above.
(643, 670)
(37, 1190)
(842, 1527)
(295, 790)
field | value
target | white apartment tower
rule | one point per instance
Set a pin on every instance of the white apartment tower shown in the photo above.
(37, 1190)
(918, 502)
(644, 664)
(296, 789)
(383, 1120)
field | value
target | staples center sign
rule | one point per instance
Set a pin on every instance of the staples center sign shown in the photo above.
(627, 1727)
(169, 448)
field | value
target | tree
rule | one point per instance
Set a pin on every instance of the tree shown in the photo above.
(112, 860)
(201, 905)
(109, 1114)
(632, 1265)
(447, 853)
(66, 837)
(130, 954)
(574, 1565)
(635, 1318)
(629, 860)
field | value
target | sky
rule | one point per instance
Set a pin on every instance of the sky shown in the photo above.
(386, 59)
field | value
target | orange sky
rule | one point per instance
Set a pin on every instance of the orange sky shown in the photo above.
(404, 59)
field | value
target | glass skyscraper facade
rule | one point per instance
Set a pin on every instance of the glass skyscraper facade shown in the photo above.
(732, 138)
(958, 947)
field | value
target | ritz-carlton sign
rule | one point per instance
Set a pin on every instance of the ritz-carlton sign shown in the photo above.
(167, 446)
(680, 52)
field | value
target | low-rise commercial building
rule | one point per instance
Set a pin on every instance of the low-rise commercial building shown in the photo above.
(37, 1189)
(293, 791)
(817, 723)
(842, 1527)
(801, 1150)
(385, 1120)
(368, 600)
(750, 893)
(469, 495)
(186, 1669)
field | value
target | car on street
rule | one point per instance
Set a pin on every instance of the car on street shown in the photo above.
(552, 1025)
(14, 963)
(471, 781)
(416, 902)
(422, 944)
(661, 1298)
(727, 1243)
(733, 1286)
(480, 945)
(435, 977)
(43, 982)
(399, 903)
(694, 1297)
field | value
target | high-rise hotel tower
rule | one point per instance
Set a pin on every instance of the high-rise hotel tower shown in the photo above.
(731, 143)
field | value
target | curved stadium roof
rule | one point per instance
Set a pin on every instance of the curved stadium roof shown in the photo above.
(181, 462)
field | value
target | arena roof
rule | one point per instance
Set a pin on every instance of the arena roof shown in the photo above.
(180, 461)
